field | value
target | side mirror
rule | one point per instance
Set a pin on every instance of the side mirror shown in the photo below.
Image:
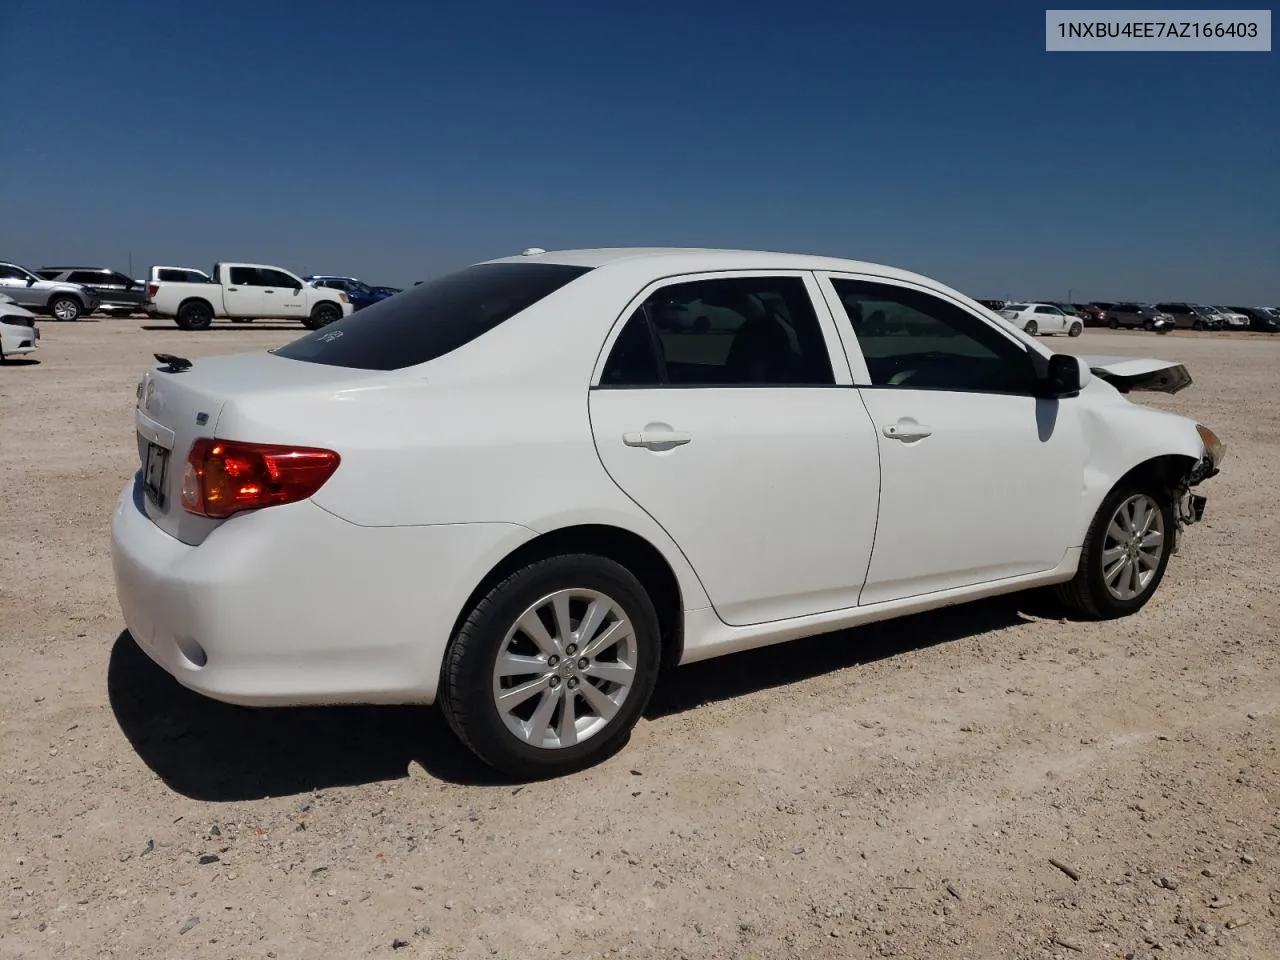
(31, 281)
(1062, 379)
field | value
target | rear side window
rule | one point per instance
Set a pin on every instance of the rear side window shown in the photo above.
(181, 276)
(433, 318)
(740, 331)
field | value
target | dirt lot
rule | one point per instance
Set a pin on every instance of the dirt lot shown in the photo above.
(894, 791)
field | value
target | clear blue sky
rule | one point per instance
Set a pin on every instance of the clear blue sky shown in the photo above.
(396, 141)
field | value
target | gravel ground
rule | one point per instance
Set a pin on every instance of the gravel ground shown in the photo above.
(990, 781)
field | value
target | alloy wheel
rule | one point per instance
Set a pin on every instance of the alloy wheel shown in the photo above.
(1133, 547)
(565, 668)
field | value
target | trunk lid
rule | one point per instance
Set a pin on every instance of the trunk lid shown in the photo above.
(1140, 373)
(180, 401)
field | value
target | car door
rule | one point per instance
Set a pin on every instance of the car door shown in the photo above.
(743, 440)
(14, 283)
(1050, 319)
(100, 283)
(981, 480)
(242, 294)
(283, 295)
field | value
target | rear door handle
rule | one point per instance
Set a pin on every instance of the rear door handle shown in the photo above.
(656, 439)
(907, 430)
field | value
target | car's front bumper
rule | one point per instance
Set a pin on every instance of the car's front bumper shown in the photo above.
(292, 605)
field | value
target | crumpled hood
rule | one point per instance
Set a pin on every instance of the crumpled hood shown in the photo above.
(1140, 373)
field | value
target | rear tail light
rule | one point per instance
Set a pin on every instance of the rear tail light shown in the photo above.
(152, 290)
(223, 477)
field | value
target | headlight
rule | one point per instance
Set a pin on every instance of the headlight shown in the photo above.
(1214, 447)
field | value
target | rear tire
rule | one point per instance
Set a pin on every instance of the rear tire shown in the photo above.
(194, 315)
(1113, 324)
(1031, 328)
(534, 745)
(1105, 585)
(1197, 325)
(1075, 329)
(67, 309)
(322, 314)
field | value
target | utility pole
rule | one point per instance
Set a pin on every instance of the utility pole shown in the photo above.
(1069, 292)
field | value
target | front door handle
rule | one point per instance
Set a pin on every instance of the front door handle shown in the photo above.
(656, 439)
(907, 430)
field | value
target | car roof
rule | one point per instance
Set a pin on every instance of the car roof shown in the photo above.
(711, 260)
(94, 269)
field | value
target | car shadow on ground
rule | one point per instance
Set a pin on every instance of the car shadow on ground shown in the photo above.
(216, 752)
(21, 362)
(236, 327)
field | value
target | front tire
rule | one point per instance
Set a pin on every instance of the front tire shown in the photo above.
(1125, 552)
(1113, 324)
(67, 309)
(552, 668)
(322, 314)
(1075, 330)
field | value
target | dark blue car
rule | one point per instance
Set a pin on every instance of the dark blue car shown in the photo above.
(358, 292)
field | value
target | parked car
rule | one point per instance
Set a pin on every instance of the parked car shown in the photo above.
(994, 305)
(386, 291)
(1259, 319)
(1038, 318)
(118, 294)
(1192, 316)
(245, 291)
(1094, 315)
(18, 331)
(358, 292)
(1234, 320)
(62, 300)
(290, 506)
(1138, 315)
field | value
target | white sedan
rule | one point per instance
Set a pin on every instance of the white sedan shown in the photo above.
(19, 333)
(512, 492)
(1037, 318)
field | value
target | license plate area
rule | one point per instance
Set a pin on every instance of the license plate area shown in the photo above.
(155, 472)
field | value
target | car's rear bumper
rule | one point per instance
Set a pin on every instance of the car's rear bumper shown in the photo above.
(292, 605)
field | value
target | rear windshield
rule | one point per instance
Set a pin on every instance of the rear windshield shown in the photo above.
(433, 318)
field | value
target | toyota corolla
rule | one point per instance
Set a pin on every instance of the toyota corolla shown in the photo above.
(515, 492)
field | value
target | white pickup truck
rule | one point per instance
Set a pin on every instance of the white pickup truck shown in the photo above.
(243, 291)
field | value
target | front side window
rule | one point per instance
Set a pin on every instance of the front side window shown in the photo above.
(433, 318)
(917, 341)
(737, 331)
(8, 272)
